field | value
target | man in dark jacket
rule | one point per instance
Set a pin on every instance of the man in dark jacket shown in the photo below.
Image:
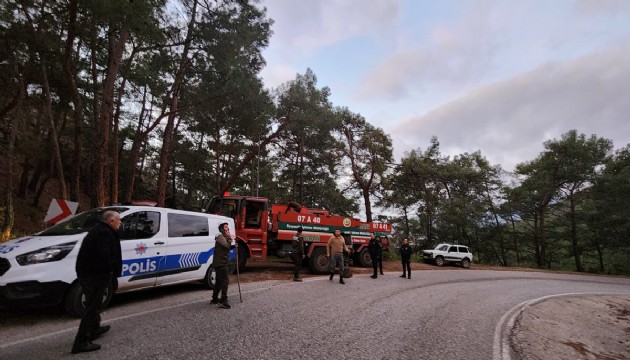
(222, 246)
(297, 243)
(98, 262)
(405, 256)
(375, 248)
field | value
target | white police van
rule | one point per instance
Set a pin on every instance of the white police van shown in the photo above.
(160, 247)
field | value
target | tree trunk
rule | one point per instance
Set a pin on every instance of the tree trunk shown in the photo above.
(169, 130)
(104, 124)
(26, 169)
(40, 191)
(115, 152)
(574, 240)
(9, 217)
(58, 164)
(75, 177)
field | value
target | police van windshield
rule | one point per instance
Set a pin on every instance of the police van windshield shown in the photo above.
(79, 223)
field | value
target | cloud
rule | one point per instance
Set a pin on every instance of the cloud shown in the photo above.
(490, 40)
(508, 121)
(449, 52)
(303, 28)
(306, 26)
(601, 6)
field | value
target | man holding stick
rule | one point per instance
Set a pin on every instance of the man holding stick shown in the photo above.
(222, 247)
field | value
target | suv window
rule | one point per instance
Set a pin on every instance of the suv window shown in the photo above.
(443, 248)
(463, 249)
(140, 225)
(452, 249)
(180, 225)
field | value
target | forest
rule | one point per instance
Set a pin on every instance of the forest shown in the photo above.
(114, 101)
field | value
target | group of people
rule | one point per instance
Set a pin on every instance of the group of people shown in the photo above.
(375, 248)
(100, 259)
(336, 248)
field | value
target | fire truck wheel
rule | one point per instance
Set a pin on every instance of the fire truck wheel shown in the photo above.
(364, 258)
(210, 279)
(319, 261)
(243, 254)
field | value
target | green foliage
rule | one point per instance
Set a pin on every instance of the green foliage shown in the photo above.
(565, 209)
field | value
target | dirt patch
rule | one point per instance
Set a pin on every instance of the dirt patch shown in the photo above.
(574, 328)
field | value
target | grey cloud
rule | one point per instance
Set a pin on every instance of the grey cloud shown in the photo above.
(457, 54)
(306, 26)
(601, 6)
(509, 121)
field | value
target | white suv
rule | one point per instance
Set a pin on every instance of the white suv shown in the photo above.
(444, 253)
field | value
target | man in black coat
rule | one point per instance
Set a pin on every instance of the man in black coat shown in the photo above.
(98, 262)
(375, 248)
(405, 257)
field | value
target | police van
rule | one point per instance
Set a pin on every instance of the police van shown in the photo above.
(159, 246)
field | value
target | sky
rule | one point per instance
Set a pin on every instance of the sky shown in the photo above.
(496, 76)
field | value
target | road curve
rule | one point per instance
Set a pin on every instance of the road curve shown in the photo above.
(435, 315)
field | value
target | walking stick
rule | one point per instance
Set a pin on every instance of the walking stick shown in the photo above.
(238, 277)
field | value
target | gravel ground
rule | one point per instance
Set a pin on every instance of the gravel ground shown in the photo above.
(590, 327)
(593, 327)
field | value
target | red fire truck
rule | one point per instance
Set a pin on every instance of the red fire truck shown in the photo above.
(264, 229)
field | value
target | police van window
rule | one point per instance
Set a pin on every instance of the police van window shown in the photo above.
(180, 225)
(139, 225)
(79, 223)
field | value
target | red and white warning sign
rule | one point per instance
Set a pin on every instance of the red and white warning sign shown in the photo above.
(60, 209)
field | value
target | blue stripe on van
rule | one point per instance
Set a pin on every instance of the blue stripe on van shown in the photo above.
(141, 268)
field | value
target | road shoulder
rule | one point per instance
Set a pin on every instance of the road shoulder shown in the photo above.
(584, 327)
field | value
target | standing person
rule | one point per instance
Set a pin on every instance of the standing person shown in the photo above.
(334, 252)
(98, 261)
(380, 255)
(222, 246)
(298, 253)
(375, 249)
(405, 256)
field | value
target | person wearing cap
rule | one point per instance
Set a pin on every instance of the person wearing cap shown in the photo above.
(222, 247)
(298, 253)
(334, 251)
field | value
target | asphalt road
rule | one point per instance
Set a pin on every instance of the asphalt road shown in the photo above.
(435, 315)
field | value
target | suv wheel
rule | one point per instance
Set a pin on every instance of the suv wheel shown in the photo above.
(439, 261)
(465, 263)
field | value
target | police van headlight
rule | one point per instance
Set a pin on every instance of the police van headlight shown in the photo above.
(47, 254)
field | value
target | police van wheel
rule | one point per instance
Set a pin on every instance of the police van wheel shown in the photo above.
(211, 278)
(74, 303)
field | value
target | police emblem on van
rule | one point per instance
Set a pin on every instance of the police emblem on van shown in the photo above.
(141, 248)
